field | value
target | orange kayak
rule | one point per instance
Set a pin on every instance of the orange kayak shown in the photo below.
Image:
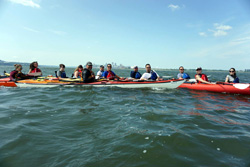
(232, 88)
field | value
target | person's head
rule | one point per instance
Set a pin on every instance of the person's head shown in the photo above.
(199, 70)
(109, 67)
(101, 67)
(135, 68)
(33, 65)
(80, 67)
(62, 66)
(232, 72)
(181, 69)
(89, 65)
(148, 67)
(18, 67)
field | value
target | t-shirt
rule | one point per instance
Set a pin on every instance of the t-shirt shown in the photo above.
(152, 75)
(61, 74)
(183, 75)
(232, 79)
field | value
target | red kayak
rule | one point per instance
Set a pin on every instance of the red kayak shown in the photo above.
(221, 87)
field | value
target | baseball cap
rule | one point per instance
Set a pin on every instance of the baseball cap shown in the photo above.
(89, 64)
(198, 68)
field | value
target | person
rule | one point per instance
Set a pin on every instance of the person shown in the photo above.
(182, 74)
(87, 74)
(78, 72)
(61, 73)
(135, 74)
(100, 72)
(17, 73)
(201, 78)
(232, 78)
(34, 70)
(110, 75)
(149, 74)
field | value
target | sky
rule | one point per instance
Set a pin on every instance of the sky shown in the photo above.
(210, 34)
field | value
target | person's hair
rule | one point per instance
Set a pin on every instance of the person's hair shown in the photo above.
(77, 68)
(147, 65)
(17, 66)
(61, 65)
(181, 67)
(32, 67)
(234, 71)
(109, 64)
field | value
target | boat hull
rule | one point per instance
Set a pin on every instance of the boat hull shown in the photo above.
(238, 88)
(169, 84)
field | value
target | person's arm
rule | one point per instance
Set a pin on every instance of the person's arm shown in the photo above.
(226, 80)
(143, 77)
(36, 74)
(179, 76)
(76, 74)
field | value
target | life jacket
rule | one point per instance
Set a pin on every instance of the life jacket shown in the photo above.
(36, 70)
(110, 75)
(63, 75)
(79, 73)
(185, 76)
(203, 77)
(137, 75)
(153, 75)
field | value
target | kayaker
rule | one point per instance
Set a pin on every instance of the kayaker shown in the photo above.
(100, 72)
(110, 75)
(232, 78)
(61, 73)
(182, 74)
(135, 74)
(34, 70)
(87, 74)
(78, 72)
(17, 73)
(201, 78)
(149, 74)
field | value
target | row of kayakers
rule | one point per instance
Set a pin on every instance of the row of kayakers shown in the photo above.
(87, 75)
(202, 78)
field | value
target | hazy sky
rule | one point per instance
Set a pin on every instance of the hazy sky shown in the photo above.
(213, 34)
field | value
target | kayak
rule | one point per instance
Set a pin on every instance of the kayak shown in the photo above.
(53, 82)
(221, 87)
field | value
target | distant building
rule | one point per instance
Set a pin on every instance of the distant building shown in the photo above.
(247, 70)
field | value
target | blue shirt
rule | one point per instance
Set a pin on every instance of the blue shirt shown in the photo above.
(105, 74)
(135, 75)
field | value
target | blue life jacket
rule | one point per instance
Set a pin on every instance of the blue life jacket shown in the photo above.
(185, 76)
(137, 75)
(236, 80)
(153, 76)
(63, 75)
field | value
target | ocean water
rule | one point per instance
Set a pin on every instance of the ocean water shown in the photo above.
(110, 126)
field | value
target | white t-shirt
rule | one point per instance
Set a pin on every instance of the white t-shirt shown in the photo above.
(99, 74)
(147, 75)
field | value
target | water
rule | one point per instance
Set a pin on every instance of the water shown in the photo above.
(109, 126)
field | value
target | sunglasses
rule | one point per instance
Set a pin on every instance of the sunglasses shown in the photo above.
(181, 69)
(231, 71)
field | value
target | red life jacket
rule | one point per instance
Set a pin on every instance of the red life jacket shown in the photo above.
(80, 73)
(36, 70)
(203, 77)
(110, 75)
